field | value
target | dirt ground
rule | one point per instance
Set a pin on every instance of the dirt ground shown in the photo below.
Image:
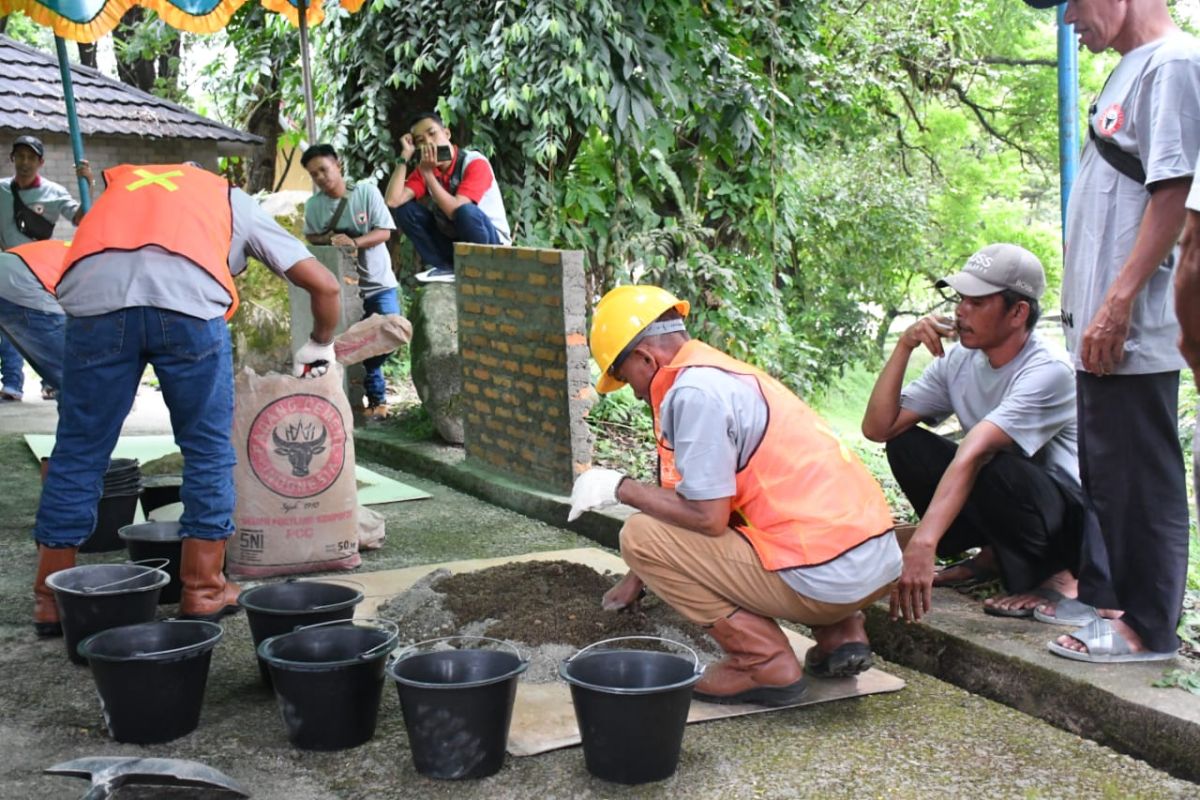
(547, 609)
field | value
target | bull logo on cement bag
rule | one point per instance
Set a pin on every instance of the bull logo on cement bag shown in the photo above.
(297, 497)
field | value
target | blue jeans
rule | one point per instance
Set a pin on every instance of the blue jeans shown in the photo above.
(37, 335)
(12, 367)
(385, 302)
(105, 358)
(436, 250)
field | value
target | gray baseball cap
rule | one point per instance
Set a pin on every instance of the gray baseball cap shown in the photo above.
(32, 142)
(998, 267)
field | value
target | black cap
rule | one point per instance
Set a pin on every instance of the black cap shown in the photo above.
(32, 142)
(1044, 3)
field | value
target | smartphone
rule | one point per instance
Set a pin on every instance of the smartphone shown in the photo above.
(443, 153)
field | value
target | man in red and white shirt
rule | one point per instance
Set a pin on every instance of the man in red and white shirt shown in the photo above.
(451, 196)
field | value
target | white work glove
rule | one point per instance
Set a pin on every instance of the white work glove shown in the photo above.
(312, 360)
(595, 488)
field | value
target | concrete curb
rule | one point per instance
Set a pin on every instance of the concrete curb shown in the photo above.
(1005, 661)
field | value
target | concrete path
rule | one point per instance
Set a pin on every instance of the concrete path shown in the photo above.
(930, 740)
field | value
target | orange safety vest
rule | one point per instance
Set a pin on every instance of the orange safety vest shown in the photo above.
(803, 498)
(44, 257)
(184, 210)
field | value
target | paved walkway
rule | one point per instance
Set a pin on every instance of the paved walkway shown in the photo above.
(930, 740)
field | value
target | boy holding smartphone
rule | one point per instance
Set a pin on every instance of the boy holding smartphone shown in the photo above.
(450, 196)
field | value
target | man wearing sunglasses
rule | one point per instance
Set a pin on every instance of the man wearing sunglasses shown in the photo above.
(1011, 486)
(760, 513)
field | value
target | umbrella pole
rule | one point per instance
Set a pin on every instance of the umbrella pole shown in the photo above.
(306, 73)
(64, 65)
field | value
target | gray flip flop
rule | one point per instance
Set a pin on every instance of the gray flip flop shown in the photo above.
(1071, 612)
(1046, 593)
(1104, 646)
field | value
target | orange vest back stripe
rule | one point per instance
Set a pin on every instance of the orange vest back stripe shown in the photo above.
(179, 208)
(44, 259)
(803, 498)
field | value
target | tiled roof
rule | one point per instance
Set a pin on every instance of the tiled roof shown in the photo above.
(31, 99)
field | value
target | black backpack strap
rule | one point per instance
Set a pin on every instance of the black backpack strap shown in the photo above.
(456, 173)
(1122, 161)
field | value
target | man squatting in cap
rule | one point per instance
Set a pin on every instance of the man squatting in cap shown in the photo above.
(1011, 486)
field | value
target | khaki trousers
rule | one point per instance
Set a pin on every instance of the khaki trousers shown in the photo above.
(707, 578)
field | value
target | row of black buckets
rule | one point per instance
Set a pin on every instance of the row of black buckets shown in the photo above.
(327, 671)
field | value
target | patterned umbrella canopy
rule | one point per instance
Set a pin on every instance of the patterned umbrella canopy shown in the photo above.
(89, 20)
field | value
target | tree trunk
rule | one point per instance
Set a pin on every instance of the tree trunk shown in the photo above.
(137, 72)
(87, 54)
(264, 122)
(3, 24)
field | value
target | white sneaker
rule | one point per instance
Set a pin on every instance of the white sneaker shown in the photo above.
(436, 275)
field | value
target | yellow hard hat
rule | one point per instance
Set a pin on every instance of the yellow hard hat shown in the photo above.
(620, 316)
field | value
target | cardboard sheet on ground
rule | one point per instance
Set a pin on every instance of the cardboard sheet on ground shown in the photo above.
(377, 488)
(543, 717)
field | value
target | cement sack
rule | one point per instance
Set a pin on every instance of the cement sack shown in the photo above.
(297, 499)
(373, 336)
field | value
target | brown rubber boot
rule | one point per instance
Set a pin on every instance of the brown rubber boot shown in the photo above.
(760, 667)
(207, 594)
(45, 610)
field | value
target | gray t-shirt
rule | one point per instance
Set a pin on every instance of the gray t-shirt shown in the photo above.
(49, 199)
(364, 213)
(19, 287)
(715, 421)
(1193, 198)
(153, 277)
(1150, 107)
(1031, 398)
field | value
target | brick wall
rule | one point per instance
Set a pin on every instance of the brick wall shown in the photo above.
(107, 151)
(526, 384)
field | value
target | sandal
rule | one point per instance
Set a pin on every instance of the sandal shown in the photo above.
(979, 575)
(846, 661)
(1068, 611)
(1104, 646)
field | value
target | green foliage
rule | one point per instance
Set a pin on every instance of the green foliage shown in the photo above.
(1188, 680)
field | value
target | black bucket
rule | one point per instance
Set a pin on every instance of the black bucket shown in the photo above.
(151, 677)
(277, 608)
(114, 512)
(159, 491)
(328, 678)
(157, 541)
(96, 597)
(457, 706)
(631, 706)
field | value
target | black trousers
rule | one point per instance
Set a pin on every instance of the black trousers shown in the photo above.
(1032, 522)
(1132, 470)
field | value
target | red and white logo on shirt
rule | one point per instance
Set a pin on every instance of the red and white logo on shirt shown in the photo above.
(1112, 120)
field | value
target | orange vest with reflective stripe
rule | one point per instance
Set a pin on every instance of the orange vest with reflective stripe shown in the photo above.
(803, 498)
(44, 258)
(184, 210)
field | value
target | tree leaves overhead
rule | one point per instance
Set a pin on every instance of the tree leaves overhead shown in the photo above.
(801, 170)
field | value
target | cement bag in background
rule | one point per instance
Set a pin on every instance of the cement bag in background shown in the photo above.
(373, 336)
(297, 499)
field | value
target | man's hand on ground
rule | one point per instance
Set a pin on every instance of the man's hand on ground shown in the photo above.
(913, 596)
(628, 591)
(929, 331)
(595, 488)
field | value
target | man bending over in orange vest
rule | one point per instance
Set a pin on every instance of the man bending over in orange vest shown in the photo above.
(760, 512)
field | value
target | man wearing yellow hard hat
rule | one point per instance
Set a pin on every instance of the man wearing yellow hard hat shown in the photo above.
(760, 512)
